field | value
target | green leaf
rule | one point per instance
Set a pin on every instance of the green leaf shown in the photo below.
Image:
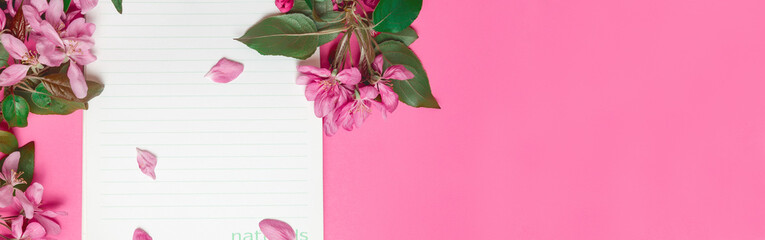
(324, 11)
(292, 35)
(58, 105)
(407, 36)
(308, 3)
(302, 7)
(395, 15)
(3, 56)
(27, 165)
(41, 96)
(324, 39)
(416, 91)
(8, 142)
(118, 5)
(66, 5)
(15, 111)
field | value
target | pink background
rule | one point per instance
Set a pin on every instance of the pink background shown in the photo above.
(593, 119)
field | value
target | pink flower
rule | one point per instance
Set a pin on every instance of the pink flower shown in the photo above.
(395, 72)
(39, 5)
(327, 89)
(17, 50)
(30, 201)
(355, 112)
(225, 71)
(276, 230)
(11, 177)
(140, 234)
(75, 43)
(54, 12)
(285, 5)
(147, 162)
(33, 231)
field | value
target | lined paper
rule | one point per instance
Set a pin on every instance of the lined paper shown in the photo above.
(229, 155)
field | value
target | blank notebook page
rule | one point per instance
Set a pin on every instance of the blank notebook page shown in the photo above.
(229, 155)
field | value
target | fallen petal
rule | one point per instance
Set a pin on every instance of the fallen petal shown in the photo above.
(140, 234)
(225, 71)
(147, 162)
(276, 230)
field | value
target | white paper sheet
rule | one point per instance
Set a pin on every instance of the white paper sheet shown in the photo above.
(229, 154)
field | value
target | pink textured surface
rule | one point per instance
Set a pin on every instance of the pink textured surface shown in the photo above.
(561, 120)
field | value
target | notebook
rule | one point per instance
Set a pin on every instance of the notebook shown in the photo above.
(229, 155)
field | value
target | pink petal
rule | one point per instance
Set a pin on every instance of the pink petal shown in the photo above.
(140, 234)
(6, 196)
(50, 226)
(52, 214)
(32, 16)
(311, 91)
(398, 72)
(79, 29)
(344, 118)
(13, 45)
(39, 5)
(13, 74)
(359, 118)
(379, 105)
(368, 92)
(351, 76)
(319, 72)
(276, 230)
(77, 81)
(49, 54)
(2, 20)
(35, 193)
(83, 56)
(389, 97)
(225, 71)
(285, 5)
(54, 12)
(371, 3)
(330, 126)
(23, 202)
(86, 5)
(322, 106)
(16, 226)
(34, 231)
(147, 162)
(11, 162)
(378, 63)
(50, 33)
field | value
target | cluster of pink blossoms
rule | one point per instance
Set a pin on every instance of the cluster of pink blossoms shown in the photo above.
(33, 220)
(55, 37)
(342, 99)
